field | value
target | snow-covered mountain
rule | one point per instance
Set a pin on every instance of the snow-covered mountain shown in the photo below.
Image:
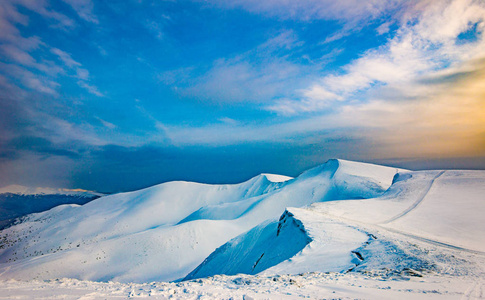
(439, 208)
(341, 216)
(17, 201)
(24, 190)
(165, 231)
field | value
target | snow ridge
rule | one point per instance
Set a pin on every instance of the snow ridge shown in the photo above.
(264, 246)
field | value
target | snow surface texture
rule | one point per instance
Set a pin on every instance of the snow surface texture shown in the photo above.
(381, 232)
(247, 287)
(164, 232)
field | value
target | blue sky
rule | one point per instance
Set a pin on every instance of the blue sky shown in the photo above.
(119, 95)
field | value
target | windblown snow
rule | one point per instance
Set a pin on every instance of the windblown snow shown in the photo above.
(342, 216)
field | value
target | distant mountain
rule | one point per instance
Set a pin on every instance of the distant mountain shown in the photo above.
(17, 201)
(24, 190)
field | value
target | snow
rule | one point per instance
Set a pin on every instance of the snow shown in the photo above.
(165, 231)
(276, 178)
(252, 252)
(244, 287)
(340, 230)
(24, 190)
(442, 206)
(430, 208)
(451, 212)
(17, 201)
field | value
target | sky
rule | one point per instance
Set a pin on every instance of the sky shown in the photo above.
(120, 95)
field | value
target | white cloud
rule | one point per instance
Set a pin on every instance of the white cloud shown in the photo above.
(154, 27)
(177, 76)
(60, 131)
(286, 39)
(18, 48)
(84, 9)
(425, 43)
(106, 123)
(258, 75)
(348, 10)
(65, 58)
(80, 73)
(39, 7)
(30, 80)
(90, 88)
(384, 27)
(43, 86)
(229, 121)
(238, 80)
(449, 122)
(18, 55)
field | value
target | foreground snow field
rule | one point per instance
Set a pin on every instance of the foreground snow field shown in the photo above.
(340, 230)
(309, 285)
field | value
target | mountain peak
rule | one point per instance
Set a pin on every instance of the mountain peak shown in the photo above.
(276, 178)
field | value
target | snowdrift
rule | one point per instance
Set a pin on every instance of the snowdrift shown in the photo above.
(164, 232)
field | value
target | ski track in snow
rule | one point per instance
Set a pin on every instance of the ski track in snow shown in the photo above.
(367, 229)
(475, 291)
(415, 204)
(432, 241)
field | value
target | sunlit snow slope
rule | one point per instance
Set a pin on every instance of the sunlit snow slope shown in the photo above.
(438, 209)
(164, 232)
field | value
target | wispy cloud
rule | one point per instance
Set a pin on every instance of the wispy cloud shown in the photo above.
(30, 86)
(90, 88)
(348, 10)
(258, 75)
(450, 122)
(425, 43)
(65, 58)
(81, 73)
(155, 27)
(237, 80)
(106, 123)
(396, 96)
(18, 48)
(30, 80)
(84, 9)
